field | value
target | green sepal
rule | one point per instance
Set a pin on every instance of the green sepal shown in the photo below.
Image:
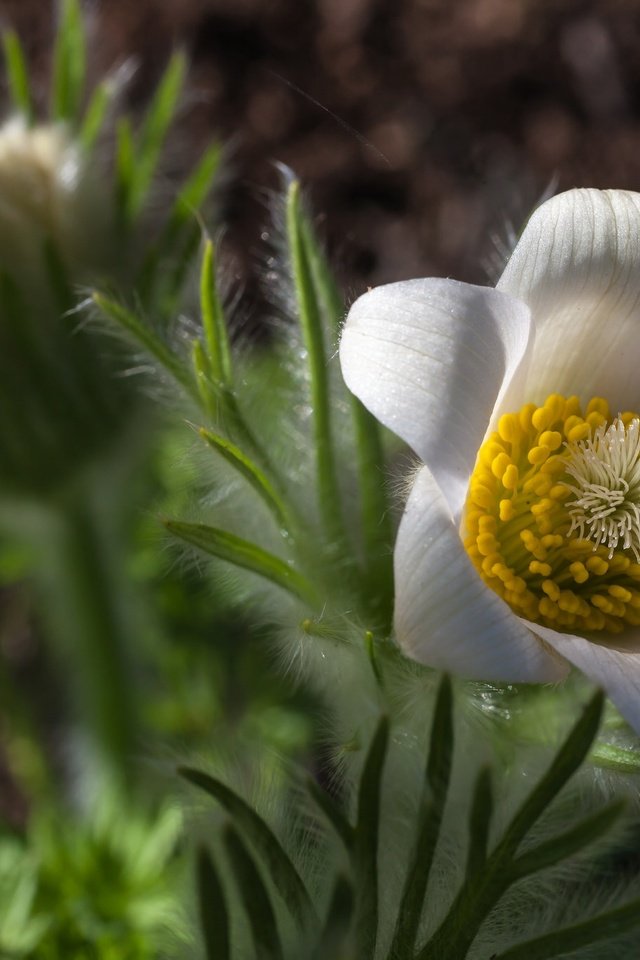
(244, 554)
(283, 873)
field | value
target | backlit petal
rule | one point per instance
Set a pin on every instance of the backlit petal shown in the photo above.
(429, 358)
(445, 615)
(576, 266)
(616, 671)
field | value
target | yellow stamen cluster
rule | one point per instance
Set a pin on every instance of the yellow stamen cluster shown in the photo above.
(547, 525)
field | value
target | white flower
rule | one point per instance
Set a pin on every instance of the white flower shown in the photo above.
(542, 375)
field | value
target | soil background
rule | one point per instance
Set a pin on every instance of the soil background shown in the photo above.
(423, 130)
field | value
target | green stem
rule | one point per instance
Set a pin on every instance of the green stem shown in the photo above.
(83, 607)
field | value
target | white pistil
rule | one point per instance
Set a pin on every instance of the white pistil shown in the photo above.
(606, 471)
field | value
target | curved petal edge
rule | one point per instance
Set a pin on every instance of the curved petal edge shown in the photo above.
(445, 615)
(429, 358)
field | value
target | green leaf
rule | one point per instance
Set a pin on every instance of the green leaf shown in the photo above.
(482, 890)
(125, 167)
(17, 74)
(606, 926)
(328, 489)
(615, 757)
(376, 517)
(566, 844)
(158, 119)
(253, 474)
(570, 756)
(168, 260)
(281, 870)
(431, 810)
(216, 336)
(214, 918)
(365, 853)
(95, 115)
(193, 192)
(332, 812)
(69, 63)
(338, 921)
(255, 898)
(244, 554)
(479, 822)
(146, 338)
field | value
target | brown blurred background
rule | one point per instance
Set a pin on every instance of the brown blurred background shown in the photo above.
(421, 128)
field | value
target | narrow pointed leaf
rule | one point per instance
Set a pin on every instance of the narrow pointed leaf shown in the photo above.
(441, 742)
(332, 812)
(213, 321)
(607, 926)
(365, 853)
(255, 898)
(479, 822)
(569, 843)
(480, 892)
(376, 517)
(158, 119)
(168, 261)
(244, 554)
(430, 819)
(253, 474)
(614, 757)
(69, 63)
(17, 74)
(214, 919)
(281, 870)
(94, 116)
(328, 490)
(338, 921)
(206, 388)
(146, 338)
(195, 190)
(569, 757)
(125, 168)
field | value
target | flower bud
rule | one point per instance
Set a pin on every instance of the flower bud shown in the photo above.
(60, 405)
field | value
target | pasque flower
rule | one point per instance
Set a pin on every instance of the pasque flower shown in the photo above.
(518, 553)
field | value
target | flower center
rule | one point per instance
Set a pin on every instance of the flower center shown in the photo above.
(553, 514)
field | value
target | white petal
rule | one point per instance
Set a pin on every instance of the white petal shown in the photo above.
(577, 267)
(445, 615)
(429, 358)
(616, 671)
